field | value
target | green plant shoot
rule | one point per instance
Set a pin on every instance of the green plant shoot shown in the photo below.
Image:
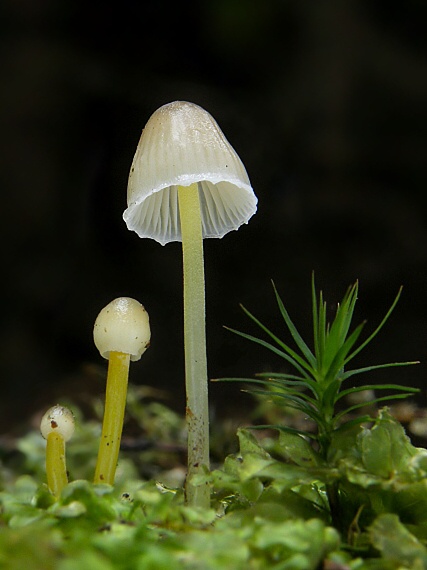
(317, 386)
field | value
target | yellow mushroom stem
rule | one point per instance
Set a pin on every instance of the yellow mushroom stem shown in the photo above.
(56, 469)
(196, 379)
(112, 426)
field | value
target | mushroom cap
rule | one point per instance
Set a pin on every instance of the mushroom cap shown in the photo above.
(122, 326)
(58, 419)
(182, 144)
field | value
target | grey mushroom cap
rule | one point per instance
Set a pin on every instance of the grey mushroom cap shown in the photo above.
(122, 326)
(58, 419)
(182, 144)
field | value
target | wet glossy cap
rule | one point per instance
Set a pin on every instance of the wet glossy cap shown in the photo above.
(122, 326)
(180, 145)
(58, 419)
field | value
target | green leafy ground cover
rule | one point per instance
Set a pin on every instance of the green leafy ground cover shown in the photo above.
(346, 491)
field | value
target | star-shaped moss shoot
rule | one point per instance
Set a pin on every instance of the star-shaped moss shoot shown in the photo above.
(57, 427)
(187, 183)
(121, 333)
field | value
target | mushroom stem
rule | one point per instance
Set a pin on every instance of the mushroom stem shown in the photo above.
(196, 378)
(112, 425)
(56, 470)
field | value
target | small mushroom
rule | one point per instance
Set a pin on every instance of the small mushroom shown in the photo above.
(187, 183)
(57, 427)
(121, 333)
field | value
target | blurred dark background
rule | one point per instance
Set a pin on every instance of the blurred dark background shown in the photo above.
(324, 101)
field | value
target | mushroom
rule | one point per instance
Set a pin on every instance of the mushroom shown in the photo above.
(187, 183)
(57, 427)
(121, 333)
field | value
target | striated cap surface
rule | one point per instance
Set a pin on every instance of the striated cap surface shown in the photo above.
(182, 144)
(122, 326)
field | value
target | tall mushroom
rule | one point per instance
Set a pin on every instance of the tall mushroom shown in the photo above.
(187, 183)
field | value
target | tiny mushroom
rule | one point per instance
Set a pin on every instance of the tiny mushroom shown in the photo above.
(187, 183)
(121, 333)
(57, 427)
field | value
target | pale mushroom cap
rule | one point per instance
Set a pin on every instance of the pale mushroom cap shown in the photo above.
(58, 419)
(180, 145)
(122, 326)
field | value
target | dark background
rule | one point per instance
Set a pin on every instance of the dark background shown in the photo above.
(325, 102)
